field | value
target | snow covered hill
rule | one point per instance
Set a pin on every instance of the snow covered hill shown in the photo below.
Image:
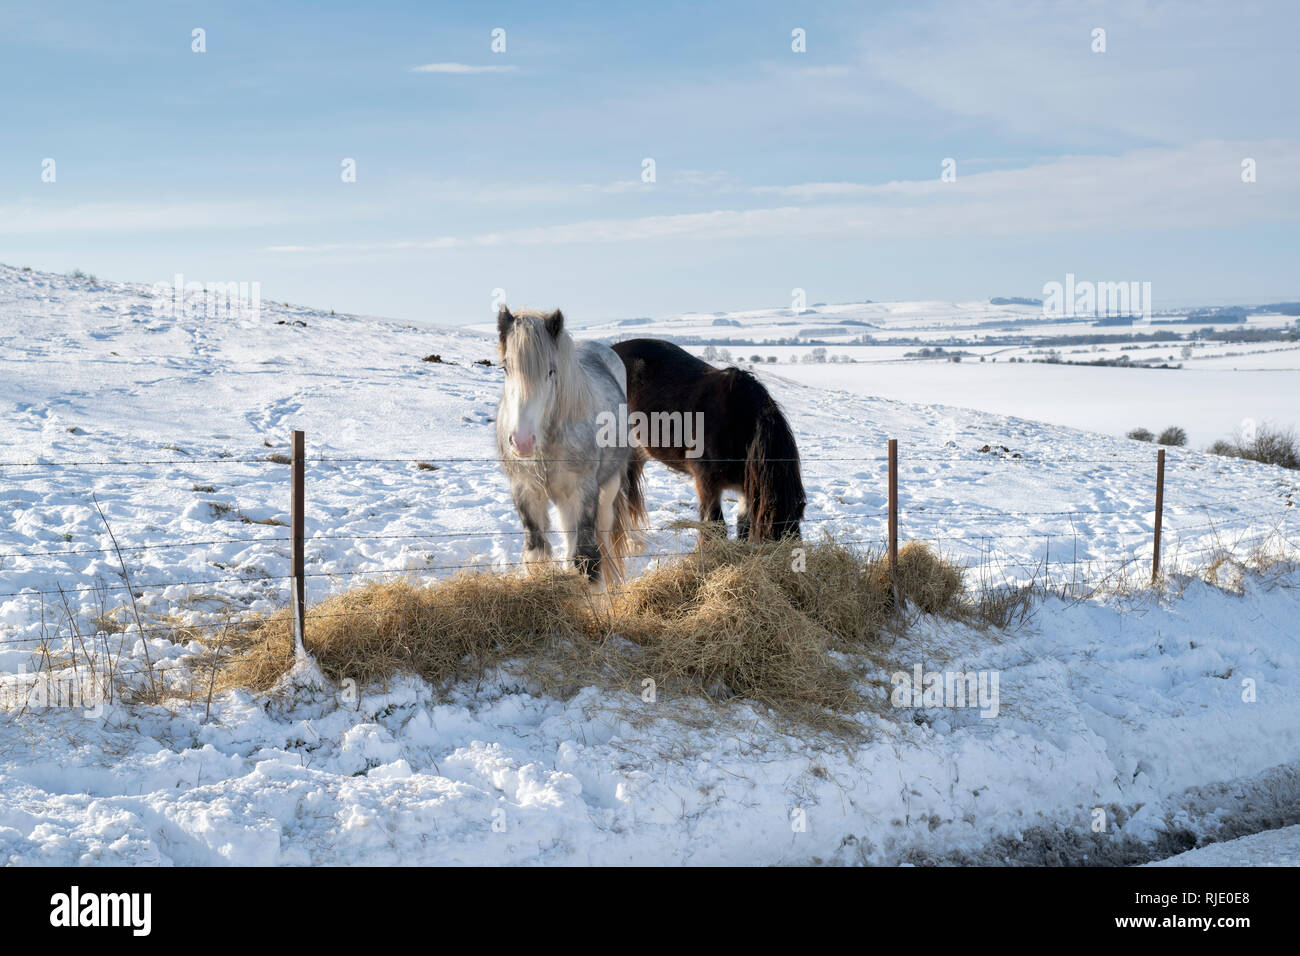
(177, 424)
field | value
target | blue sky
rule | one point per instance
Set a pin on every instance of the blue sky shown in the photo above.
(774, 169)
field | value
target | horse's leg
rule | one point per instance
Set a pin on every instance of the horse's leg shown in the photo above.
(586, 555)
(709, 490)
(578, 518)
(534, 512)
(567, 508)
(605, 517)
(742, 518)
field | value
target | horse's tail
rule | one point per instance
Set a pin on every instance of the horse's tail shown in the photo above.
(773, 485)
(625, 534)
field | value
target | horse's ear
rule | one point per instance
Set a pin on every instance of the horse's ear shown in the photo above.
(555, 323)
(504, 321)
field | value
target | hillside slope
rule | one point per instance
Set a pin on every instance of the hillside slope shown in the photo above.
(169, 423)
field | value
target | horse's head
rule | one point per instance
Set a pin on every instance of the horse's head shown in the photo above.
(537, 357)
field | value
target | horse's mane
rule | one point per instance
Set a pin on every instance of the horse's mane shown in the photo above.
(531, 351)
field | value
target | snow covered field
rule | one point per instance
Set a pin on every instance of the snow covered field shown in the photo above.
(1137, 710)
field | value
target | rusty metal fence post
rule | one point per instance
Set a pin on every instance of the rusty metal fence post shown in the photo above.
(1160, 513)
(297, 523)
(893, 518)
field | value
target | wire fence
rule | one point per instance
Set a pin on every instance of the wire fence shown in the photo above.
(1050, 553)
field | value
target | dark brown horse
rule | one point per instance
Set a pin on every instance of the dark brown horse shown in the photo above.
(746, 444)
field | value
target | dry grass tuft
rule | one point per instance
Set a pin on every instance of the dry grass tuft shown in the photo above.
(1268, 560)
(1002, 607)
(1224, 570)
(926, 580)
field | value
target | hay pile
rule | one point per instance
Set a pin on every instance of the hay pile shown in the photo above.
(757, 621)
(732, 619)
(439, 631)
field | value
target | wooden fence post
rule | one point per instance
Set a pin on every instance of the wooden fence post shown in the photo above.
(297, 522)
(1160, 513)
(893, 517)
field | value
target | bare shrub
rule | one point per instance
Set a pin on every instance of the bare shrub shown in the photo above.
(1268, 445)
(1173, 435)
(1274, 446)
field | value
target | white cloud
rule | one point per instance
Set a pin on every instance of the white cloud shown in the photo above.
(1156, 188)
(541, 192)
(34, 217)
(462, 68)
(818, 190)
(419, 189)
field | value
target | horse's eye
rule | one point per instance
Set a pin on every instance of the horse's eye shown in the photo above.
(504, 367)
(552, 373)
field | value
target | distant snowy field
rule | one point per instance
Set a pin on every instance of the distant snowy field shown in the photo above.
(1209, 402)
(1133, 710)
(1220, 388)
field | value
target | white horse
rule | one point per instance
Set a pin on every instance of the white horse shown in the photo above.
(547, 424)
